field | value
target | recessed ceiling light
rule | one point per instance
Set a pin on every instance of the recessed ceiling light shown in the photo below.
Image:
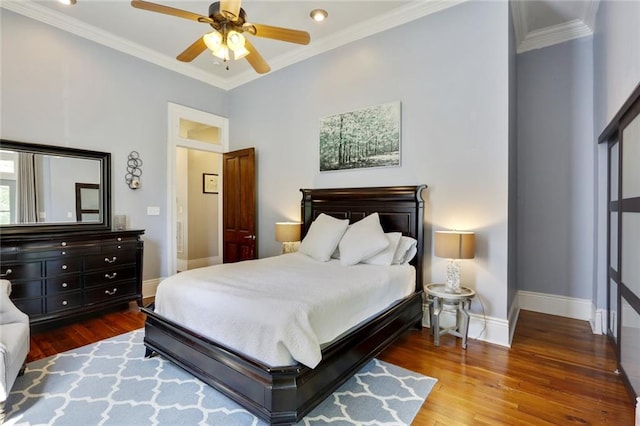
(318, 15)
(67, 2)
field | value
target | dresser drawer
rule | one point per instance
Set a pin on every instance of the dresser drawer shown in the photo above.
(110, 292)
(62, 284)
(26, 289)
(23, 270)
(111, 275)
(31, 307)
(63, 243)
(69, 265)
(61, 252)
(64, 301)
(119, 246)
(102, 261)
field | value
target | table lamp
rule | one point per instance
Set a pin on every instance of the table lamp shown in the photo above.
(288, 233)
(454, 245)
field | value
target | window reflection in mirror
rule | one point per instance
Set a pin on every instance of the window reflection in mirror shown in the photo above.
(43, 185)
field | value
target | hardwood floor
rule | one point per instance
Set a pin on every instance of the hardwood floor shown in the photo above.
(556, 372)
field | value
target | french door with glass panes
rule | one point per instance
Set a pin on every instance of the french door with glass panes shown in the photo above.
(623, 229)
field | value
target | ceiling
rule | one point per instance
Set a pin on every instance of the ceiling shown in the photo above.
(159, 38)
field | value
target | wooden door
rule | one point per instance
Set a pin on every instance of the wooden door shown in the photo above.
(239, 206)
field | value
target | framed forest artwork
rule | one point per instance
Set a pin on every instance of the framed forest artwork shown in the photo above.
(367, 137)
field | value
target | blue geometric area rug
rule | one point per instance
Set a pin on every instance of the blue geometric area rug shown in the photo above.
(111, 383)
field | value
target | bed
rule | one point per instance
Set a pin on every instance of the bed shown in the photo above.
(284, 395)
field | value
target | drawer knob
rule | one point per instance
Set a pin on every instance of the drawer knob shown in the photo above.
(119, 247)
(64, 267)
(119, 239)
(65, 303)
(113, 259)
(65, 285)
(111, 276)
(7, 273)
(112, 292)
(63, 244)
(64, 252)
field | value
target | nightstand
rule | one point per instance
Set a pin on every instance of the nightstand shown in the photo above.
(437, 298)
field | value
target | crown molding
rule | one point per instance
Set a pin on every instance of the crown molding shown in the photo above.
(392, 19)
(590, 12)
(529, 40)
(554, 34)
(519, 15)
(79, 28)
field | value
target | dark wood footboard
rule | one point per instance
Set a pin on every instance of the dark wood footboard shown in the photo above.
(279, 395)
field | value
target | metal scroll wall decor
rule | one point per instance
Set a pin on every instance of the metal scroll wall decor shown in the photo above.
(134, 170)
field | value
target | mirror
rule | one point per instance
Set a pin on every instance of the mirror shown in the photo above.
(50, 188)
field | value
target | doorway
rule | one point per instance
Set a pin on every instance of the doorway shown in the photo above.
(194, 187)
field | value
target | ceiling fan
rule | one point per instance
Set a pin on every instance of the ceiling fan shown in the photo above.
(229, 22)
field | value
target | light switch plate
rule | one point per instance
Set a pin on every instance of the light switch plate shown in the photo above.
(153, 211)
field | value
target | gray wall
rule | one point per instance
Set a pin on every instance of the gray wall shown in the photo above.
(616, 74)
(453, 82)
(555, 169)
(59, 89)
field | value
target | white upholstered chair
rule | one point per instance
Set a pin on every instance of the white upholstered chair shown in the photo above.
(14, 343)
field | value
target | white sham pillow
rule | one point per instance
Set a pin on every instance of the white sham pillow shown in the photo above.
(362, 240)
(385, 257)
(323, 237)
(407, 249)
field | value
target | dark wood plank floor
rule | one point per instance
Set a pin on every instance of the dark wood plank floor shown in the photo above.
(556, 372)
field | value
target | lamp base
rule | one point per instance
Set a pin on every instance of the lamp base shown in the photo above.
(291, 247)
(453, 277)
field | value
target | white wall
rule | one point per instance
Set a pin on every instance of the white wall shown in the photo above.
(452, 79)
(59, 89)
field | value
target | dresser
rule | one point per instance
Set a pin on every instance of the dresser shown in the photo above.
(56, 276)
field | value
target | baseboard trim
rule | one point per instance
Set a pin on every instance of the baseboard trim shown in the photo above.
(481, 327)
(569, 307)
(149, 287)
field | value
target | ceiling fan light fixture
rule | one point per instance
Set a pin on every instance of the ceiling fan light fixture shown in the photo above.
(318, 15)
(213, 40)
(235, 40)
(240, 53)
(221, 52)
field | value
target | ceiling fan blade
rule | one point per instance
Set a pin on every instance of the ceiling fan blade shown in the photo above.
(191, 52)
(153, 7)
(232, 7)
(255, 59)
(278, 33)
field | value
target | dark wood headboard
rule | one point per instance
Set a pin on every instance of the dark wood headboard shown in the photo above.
(401, 209)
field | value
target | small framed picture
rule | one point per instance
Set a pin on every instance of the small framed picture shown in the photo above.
(210, 183)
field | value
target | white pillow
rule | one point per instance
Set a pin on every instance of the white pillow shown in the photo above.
(405, 251)
(385, 257)
(362, 240)
(323, 237)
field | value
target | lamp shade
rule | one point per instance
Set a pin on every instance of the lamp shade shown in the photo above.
(455, 245)
(288, 231)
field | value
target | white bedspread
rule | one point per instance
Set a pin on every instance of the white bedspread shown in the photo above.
(281, 309)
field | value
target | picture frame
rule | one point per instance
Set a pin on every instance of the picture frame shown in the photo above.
(209, 183)
(363, 138)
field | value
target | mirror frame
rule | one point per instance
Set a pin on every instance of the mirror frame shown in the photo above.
(105, 179)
